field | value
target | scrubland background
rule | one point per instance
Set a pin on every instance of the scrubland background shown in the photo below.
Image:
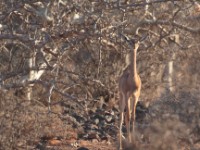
(59, 67)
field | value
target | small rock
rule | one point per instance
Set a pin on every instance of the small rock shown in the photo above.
(104, 138)
(108, 118)
(55, 142)
(82, 148)
(112, 113)
(96, 121)
(71, 142)
(94, 127)
(108, 142)
(74, 144)
(95, 141)
(93, 136)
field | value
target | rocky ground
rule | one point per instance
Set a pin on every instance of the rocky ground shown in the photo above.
(169, 123)
(166, 124)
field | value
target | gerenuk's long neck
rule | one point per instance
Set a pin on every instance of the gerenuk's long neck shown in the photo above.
(133, 62)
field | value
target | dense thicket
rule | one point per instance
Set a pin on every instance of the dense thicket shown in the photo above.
(71, 52)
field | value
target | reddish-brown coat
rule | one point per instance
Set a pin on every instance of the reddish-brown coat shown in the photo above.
(129, 92)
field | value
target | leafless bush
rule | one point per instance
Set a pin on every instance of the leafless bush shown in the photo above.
(71, 52)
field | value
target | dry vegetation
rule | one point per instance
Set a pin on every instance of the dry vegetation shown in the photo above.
(60, 62)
